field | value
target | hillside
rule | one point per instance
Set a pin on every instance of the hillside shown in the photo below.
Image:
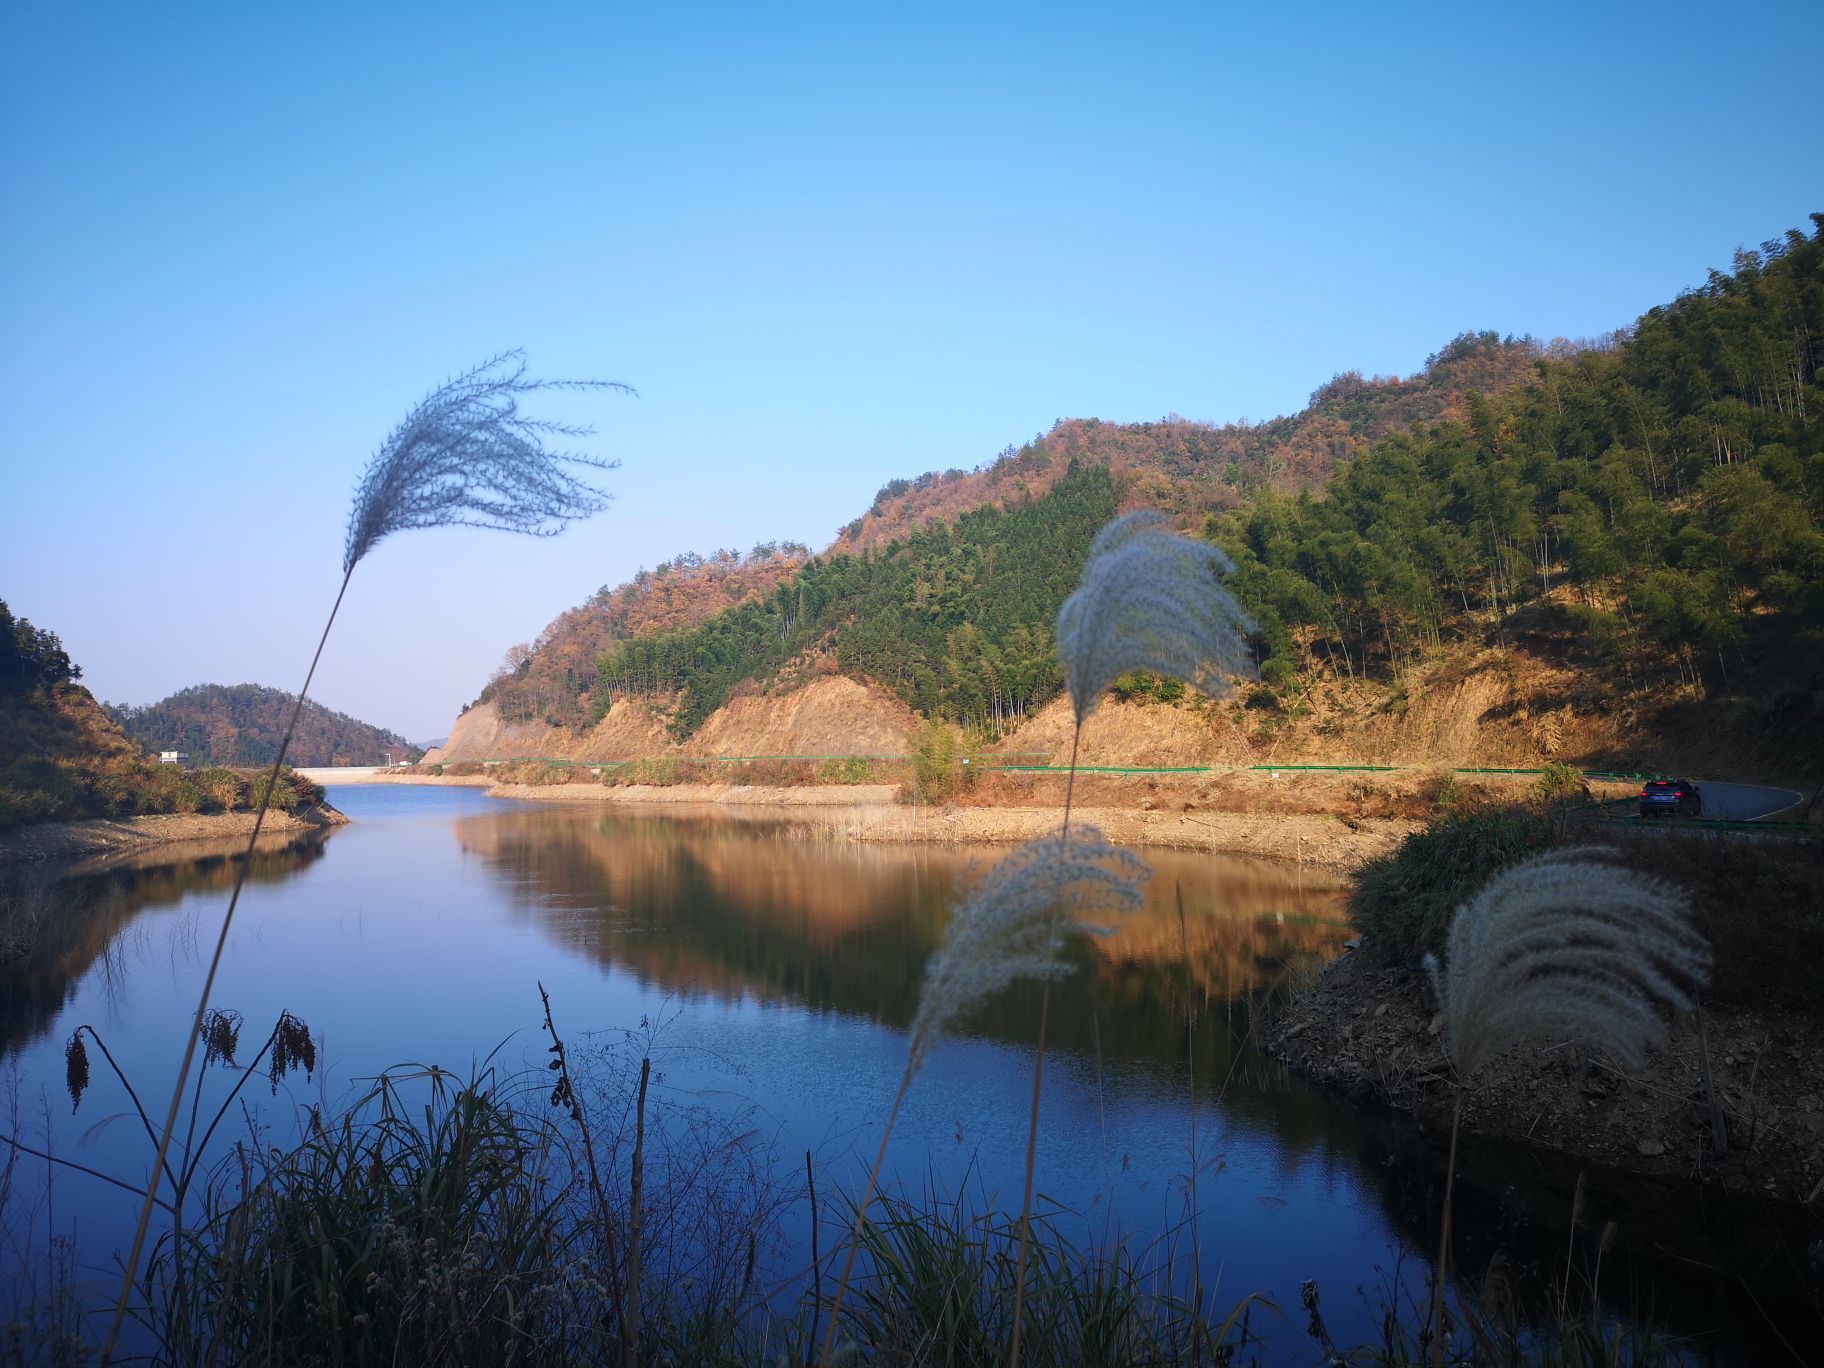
(242, 724)
(62, 757)
(549, 680)
(1187, 466)
(1649, 518)
(60, 754)
(1624, 542)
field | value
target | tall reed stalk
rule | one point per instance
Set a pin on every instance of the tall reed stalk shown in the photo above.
(465, 456)
(1148, 600)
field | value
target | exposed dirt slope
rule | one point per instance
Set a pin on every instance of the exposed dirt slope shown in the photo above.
(481, 734)
(830, 716)
(1470, 707)
(1488, 708)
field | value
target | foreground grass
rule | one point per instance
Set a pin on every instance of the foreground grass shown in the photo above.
(441, 1220)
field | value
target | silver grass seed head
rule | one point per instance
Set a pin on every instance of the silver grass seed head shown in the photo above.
(467, 457)
(1569, 944)
(1013, 924)
(1150, 599)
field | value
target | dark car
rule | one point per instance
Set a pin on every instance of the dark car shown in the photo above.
(1670, 798)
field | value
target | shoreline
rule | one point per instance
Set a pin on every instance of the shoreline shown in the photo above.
(871, 813)
(109, 839)
(1371, 1033)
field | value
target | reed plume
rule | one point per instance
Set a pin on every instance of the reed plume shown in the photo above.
(1149, 600)
(1012, 925)
(465, 456)
(1567, 944)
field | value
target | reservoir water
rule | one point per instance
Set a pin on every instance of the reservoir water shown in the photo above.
(773, 966)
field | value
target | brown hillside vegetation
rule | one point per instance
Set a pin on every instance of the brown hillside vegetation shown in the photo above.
(1189, 468)
(549, 680)
(243, 724)
(62, 756)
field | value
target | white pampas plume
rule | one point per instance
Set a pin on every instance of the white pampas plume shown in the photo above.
(467, 457)
(1014, 922)
(1567, 944)
(1149, 600)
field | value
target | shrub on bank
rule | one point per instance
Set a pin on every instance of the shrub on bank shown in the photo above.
(1403, 901)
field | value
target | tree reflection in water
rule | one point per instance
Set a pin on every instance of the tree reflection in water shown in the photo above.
(54, 930)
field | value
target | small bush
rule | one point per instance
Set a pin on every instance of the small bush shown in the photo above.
(221, 789)
(540, 772)
(849, 770)
(936, 767)
(659, 770)
(1403, 901)
(1561, 783)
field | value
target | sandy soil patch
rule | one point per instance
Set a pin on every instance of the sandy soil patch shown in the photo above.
(1317, 842)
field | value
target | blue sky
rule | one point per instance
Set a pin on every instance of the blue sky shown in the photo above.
(830, 245)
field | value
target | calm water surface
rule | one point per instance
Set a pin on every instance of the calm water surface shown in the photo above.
(778, 967)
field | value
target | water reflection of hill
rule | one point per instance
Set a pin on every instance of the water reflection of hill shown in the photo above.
(740, 910)
(52, 933)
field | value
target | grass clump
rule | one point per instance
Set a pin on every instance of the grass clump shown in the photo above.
(425, 1231)
(1403, 901)
(939, 1284)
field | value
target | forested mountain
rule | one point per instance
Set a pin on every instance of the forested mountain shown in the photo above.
(1657, 504)
(1648, 507)
(1188, 468)
(954, 618)
(243, 724)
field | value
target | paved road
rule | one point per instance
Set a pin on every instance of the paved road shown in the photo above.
(1748, 802)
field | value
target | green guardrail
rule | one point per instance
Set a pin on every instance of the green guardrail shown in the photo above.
(1324, 769)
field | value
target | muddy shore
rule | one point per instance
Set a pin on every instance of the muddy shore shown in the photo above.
(99, 842)
(1373, 1034)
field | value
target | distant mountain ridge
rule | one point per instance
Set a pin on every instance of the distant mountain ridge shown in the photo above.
(242, 724)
